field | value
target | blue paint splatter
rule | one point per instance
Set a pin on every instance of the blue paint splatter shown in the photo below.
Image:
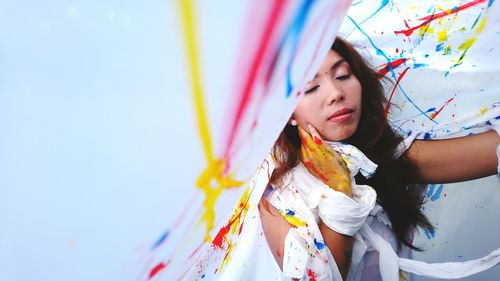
(290, 212)
(430, 233)
(433, 193)
(160, 240)
(440, 47)
(382, 5)
(319, 245)
(293, 33)
(391, 70)
(418, 65)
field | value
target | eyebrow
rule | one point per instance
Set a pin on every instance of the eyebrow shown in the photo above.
(334, 66)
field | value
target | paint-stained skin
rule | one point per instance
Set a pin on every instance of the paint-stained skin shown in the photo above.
(324, 163)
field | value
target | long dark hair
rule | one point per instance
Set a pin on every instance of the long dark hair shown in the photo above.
(376, 139)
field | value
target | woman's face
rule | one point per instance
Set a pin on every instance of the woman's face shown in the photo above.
(332, 101)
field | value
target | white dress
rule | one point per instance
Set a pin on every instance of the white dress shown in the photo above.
(306, 257)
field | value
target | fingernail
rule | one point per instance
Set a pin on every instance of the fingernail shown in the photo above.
(317, 140)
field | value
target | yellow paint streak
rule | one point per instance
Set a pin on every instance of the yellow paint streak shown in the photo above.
(425, 29)
(188, 22)
(483, 110)
(296, 222)
(480, 27)
(239, 215)
(442, 35)
(211, 181)
(447, 50)
(467, 44)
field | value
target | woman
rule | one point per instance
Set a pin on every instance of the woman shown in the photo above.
(345, 103)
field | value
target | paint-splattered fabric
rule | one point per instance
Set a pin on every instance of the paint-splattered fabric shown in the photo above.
(375, 254)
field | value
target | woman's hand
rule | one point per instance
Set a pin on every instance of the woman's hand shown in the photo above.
(323, 162)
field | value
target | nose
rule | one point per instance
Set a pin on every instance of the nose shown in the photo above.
(333, 93)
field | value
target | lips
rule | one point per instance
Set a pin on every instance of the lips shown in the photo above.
(341, 115)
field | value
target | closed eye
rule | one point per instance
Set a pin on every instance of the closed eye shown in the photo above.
(310, 90)
(343, 77)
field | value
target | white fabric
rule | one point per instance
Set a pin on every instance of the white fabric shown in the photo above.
(299, 260)
(344, 214)
(487, 119)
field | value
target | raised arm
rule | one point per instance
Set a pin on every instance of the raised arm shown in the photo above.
(454, 160)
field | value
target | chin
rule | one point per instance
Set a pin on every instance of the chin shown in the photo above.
(340, 137)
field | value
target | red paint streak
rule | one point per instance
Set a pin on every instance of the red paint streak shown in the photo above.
(159, 267)
(273, 19)
(241, 228)
(430, 18)
(310, 274)
(313, 168)
(433, 115)
(317, 140)
(386, 111)
(393, 64)
(221, 235)
(453, 10)
(397, 50)
(195, 251)
(406, 24)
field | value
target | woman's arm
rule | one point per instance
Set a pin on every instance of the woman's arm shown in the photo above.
(276, 228)
(341, 247)
(454, 160)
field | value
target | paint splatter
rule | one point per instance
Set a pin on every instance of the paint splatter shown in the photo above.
(433, 115)
(434, 193)
(319, 245)
(311, 275)
(159, 267)
(429, 233)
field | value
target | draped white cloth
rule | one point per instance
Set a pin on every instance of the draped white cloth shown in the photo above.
(375, 256)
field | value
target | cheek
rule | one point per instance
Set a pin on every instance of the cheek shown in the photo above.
(303, 111)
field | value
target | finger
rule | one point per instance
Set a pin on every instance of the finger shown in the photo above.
(316, 137)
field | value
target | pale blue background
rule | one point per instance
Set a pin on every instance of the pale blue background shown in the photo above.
(91, 96)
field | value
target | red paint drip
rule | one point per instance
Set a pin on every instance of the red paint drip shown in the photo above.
(433, 115)
(310, 274)
(221, 235)
(317, 140)
(273, 19)
(159, 267)
(393, 64)
(386, 111)
(430, 18)
(195, 250)
(316, 171)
